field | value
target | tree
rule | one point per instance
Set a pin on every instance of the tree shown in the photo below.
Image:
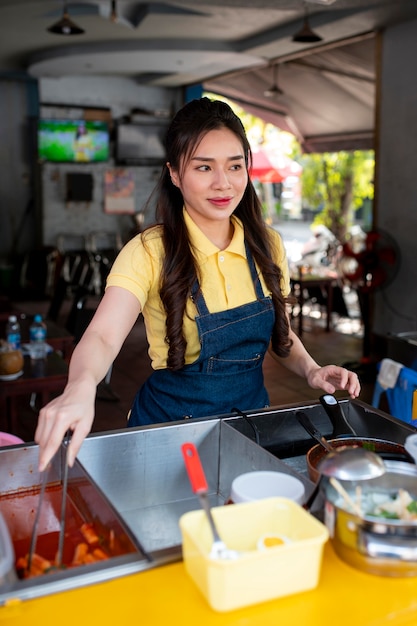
(337, 183)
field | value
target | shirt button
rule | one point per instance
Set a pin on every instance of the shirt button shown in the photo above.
(221, 257)
(229, 287)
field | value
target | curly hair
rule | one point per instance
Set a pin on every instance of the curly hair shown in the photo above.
(179, 271)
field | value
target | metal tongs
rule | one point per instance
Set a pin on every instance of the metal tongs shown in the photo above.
(34, 538)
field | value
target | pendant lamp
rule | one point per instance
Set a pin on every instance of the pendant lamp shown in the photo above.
(274, 90)
(65, 26)
(113, 11)
(306, 35)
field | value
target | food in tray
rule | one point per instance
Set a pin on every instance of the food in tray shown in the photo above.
(87, 551)
(93, 533)
(400, 505)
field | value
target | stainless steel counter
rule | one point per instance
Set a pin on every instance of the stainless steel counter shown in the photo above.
(139, 475)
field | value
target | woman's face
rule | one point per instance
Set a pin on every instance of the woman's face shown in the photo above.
(213, 182)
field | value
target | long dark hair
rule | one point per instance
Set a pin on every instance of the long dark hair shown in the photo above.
(179, 272)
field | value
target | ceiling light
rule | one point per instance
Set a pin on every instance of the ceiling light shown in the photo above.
(113, 11)
(65, 26)
(306, 35)
(274, 90)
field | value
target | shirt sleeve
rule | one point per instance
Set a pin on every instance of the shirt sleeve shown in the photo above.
(135, 268)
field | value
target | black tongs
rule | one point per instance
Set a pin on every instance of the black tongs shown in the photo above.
(34, 538)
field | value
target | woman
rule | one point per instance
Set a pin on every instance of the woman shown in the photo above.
(83, 145)
(211, 280)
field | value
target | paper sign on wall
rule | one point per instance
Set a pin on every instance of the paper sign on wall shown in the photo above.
(119, 191)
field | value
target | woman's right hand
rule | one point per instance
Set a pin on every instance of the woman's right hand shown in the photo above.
(73, 410)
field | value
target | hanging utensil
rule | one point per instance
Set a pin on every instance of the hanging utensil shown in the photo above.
(199, 485)
(337, 416)
(58, 561)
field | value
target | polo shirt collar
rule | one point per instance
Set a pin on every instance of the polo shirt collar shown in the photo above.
(204, 248)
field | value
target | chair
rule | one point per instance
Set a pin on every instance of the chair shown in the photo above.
(73, 269)
(399, 383)
(78, 320)
(84, 263)
(303, 286)
(103, 248)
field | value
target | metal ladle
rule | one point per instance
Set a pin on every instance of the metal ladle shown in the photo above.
(351, 464)
(344, 463)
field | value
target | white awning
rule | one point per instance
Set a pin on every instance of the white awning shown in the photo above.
(328, 99)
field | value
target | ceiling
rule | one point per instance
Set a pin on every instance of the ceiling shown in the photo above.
(229, 46)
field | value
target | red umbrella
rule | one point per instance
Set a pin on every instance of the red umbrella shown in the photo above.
(266, 168)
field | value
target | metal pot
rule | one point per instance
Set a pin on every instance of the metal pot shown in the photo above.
(388, 450)
(376, 545)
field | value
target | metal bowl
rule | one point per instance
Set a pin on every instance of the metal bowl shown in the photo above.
(386, 547)
(388, 450)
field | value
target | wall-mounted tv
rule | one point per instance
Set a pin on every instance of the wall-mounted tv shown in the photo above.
(141, 143)
(73, 141)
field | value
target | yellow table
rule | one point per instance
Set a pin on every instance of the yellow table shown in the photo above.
(167, 595)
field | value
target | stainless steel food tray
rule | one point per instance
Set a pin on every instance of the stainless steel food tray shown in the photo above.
(19, 497)
(142, 473)
(139, 483)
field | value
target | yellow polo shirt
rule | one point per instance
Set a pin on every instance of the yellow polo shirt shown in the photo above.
(225, 281)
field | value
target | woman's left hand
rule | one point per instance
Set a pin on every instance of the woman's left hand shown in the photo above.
(331, 378)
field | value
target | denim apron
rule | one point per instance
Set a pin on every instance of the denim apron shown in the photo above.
(228, 372)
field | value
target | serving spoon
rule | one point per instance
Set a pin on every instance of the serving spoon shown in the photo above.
(344, 463)
(351, 464)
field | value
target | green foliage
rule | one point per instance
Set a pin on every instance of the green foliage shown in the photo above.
(337, 183)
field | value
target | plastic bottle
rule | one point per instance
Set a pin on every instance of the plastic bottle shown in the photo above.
(37, 336)
(13, 333)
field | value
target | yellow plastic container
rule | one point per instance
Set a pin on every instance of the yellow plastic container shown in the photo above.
(257, 574)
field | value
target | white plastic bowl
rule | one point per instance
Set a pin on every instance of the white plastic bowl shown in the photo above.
(265, 484)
